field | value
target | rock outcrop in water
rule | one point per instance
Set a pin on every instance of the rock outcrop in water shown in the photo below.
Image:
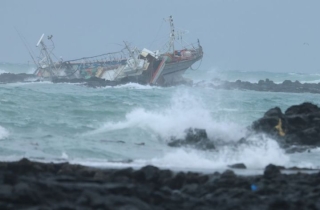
(11, 78)
(196, 138)
(299, 125)
(31, 185)
(264, 85)
(296, 130)
(93, 82)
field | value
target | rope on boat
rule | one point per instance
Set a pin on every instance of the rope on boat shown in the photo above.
(197, 67)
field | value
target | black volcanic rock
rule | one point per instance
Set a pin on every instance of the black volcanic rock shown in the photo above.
(274, 112)
(265, 85)
(41, 186)
(93, 82)
(238, 166)
(196, 138)
(271, 171)
(305, 108)
(296, 130)
(299, 125)
(11, 78)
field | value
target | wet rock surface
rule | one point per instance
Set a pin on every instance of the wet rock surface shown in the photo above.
(93, 82)
(11, 78)
(238, 166)
(196, 138)
(299, 125)
(296, 130)
(31, 185)
(264, 85)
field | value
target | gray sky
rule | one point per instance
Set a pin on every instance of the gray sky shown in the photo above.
(247, 35)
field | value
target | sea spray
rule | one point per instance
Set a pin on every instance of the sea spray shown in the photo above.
(257, 152)
(184, 111)
(3, 133)
(257, 155)
(106, 126)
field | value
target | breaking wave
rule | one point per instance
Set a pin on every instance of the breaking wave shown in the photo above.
(311, 81)
(183, 112)
(133, 86)
(2, 71)
(256, 156)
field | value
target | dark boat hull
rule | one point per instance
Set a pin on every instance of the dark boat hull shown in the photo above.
(172, 72)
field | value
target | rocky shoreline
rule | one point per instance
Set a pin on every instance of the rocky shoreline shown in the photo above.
(32, 185)
(62, 186)
(12, 78)
(263, 85)
(92, 82)
(295, 130)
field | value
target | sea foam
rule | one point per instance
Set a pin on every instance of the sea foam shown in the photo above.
(3, 71)
(132, 85)
(255, 156)
(184, 111)
(3, 133)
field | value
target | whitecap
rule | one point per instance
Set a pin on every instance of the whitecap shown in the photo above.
(3, 133)
(184, 111)
(3, 71)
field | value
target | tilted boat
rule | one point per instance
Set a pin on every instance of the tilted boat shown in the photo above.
(128, 65)
(110, 66)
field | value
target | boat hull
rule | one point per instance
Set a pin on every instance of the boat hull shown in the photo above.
(172, 72)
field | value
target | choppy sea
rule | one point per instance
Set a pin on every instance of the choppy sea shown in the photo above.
(130, 125)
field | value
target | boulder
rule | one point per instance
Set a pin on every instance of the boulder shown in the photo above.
(10, 78)
(238, 166)
(271, 171)
(304, 108)
(196, 138)
(299, 125)
(265, 85)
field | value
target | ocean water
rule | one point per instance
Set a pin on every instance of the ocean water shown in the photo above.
(130, 125)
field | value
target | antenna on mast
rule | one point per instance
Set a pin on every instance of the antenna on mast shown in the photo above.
(40, 40)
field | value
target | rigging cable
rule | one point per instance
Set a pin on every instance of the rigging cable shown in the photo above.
(197, 67)
(26, 46)
(156, 35)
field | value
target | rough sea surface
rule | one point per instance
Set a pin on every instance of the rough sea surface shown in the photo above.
(130, 125)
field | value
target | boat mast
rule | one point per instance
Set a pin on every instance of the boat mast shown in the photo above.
(132, 54)
(172, 34)
(46, 54)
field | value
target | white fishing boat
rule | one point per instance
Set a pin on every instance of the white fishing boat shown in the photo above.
(129, 64)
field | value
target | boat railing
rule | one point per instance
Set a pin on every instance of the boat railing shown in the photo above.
(102, 56)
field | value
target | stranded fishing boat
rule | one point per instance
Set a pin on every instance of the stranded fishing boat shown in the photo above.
(128, 65)
(112, 66)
